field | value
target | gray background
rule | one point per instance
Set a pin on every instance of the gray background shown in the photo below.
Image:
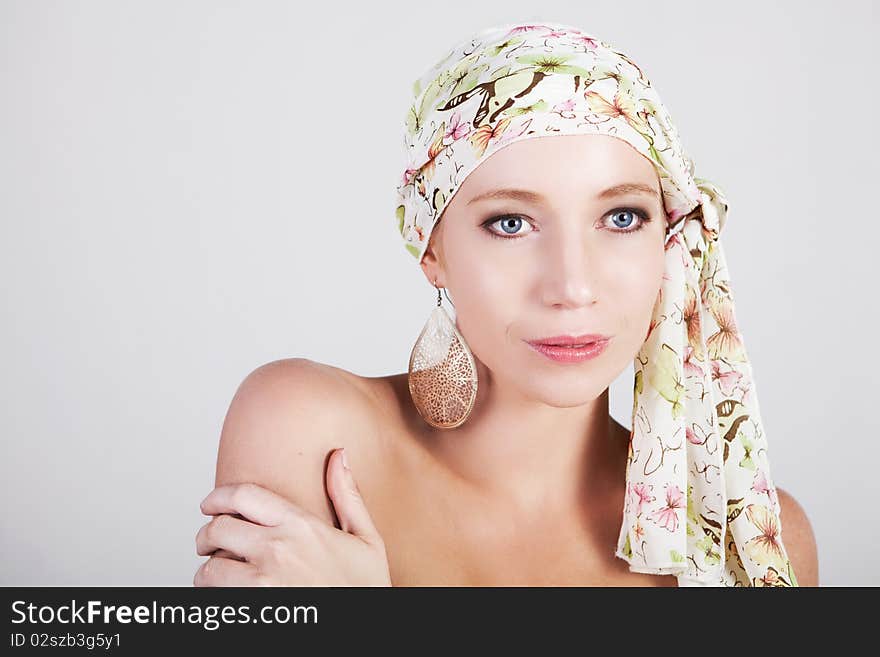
(191, 189)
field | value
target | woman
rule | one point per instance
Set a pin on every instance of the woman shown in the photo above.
(494, 460)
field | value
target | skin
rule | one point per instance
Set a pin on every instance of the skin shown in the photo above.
(529, 490)
(569, 270)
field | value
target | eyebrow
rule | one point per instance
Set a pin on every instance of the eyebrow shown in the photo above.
(535, 197)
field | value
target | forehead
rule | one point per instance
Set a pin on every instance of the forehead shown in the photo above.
(562, 161)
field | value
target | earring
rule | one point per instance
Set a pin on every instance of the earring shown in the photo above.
(442, 372)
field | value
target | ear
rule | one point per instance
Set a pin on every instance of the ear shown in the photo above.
(432, 259)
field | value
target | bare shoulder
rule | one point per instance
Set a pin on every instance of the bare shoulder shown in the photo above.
(798, 539)
(285, 419)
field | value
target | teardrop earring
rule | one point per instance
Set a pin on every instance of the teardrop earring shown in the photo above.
(442, 372)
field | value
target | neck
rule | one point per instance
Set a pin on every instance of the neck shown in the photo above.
(533, 455)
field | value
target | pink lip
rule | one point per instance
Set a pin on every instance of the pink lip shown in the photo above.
(563, 354)
(569, 339)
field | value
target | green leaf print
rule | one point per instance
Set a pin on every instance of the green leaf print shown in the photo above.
(547, 63)
(747, 461)
(707, 546)
(666, 379)
(401, 215)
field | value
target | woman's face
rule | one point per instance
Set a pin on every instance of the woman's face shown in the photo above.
(569, 257)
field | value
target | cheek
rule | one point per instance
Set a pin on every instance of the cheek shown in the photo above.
(633, 293)
(488, 297)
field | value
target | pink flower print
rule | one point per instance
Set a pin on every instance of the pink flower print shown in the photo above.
(638, 530)
(727, 381)
(691, 315)
(690, 367)
(759, 485)
(565, 108)
(457, 129)
(520, 29)
(667, 517)
(675, 213)
(762, 486)
(590, 42)
(727, 342)
(408, 174)
(765, 548)
(508, 135)
(643, 495)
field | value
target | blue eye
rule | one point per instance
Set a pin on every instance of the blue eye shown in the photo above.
(510, 225)
(642, 215)
(622, 213)
(624, 220)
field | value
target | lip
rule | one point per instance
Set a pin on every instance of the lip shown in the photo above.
(570, 354)
(569, 339)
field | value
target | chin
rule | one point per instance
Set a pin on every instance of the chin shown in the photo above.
(558, 385)
(562, 392)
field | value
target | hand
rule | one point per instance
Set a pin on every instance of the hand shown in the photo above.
(259, 538)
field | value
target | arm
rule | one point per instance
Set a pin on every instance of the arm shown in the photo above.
(797, 536)
(273, 521)
(282, 424)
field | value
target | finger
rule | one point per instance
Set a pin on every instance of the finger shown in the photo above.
(350, 507)
(253, 502)
(241, 537)
(219, 571)
(220, 552)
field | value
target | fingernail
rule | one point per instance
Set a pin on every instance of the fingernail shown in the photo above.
(344, 459)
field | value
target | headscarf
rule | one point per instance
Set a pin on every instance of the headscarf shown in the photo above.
(700, 503)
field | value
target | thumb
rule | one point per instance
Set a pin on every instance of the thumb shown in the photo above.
(347, 501)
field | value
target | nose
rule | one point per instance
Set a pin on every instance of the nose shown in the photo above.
(568, 276)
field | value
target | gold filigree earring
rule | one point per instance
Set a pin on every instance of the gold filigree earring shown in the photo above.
(442, 372)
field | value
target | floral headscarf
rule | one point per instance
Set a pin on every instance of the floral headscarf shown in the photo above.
(700, 502)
